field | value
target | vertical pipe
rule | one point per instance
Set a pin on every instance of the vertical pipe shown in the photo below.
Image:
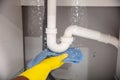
(52, 14)
(44, 39)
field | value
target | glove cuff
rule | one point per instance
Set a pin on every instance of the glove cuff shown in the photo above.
(38, 72)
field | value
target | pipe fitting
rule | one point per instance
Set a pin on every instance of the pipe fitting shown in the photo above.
(70, 30)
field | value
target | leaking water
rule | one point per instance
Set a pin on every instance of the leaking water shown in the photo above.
(78, 14)
(40, 15)
(78, 17)
(36, 14)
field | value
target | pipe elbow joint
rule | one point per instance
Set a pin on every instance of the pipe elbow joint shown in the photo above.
(58, 47)
(63, 46)
(71, 30)
(66, 41)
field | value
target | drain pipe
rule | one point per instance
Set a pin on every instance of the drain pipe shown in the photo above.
(52, 30)
(67, 38)
(91, 34)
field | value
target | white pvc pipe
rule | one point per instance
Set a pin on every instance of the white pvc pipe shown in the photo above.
(51, 14)
(67, 39)
(91, 34)
(52, 45)
(52, 31)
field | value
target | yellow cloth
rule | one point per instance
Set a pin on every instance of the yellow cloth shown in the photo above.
(41, 71)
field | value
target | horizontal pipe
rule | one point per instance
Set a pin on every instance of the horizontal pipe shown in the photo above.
(91, 34)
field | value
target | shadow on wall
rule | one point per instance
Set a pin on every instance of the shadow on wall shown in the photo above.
(1, 1)
(1, 5)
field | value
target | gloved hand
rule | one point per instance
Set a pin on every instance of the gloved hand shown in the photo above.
(41, 70)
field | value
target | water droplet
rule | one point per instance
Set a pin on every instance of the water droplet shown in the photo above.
(45, 38)
(40, 28)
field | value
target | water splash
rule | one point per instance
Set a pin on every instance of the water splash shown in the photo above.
(36, 18)
(40, 13)
(78, 14)
(75, 13)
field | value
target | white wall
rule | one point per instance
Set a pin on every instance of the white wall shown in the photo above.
(73, 2)
(11, 39)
